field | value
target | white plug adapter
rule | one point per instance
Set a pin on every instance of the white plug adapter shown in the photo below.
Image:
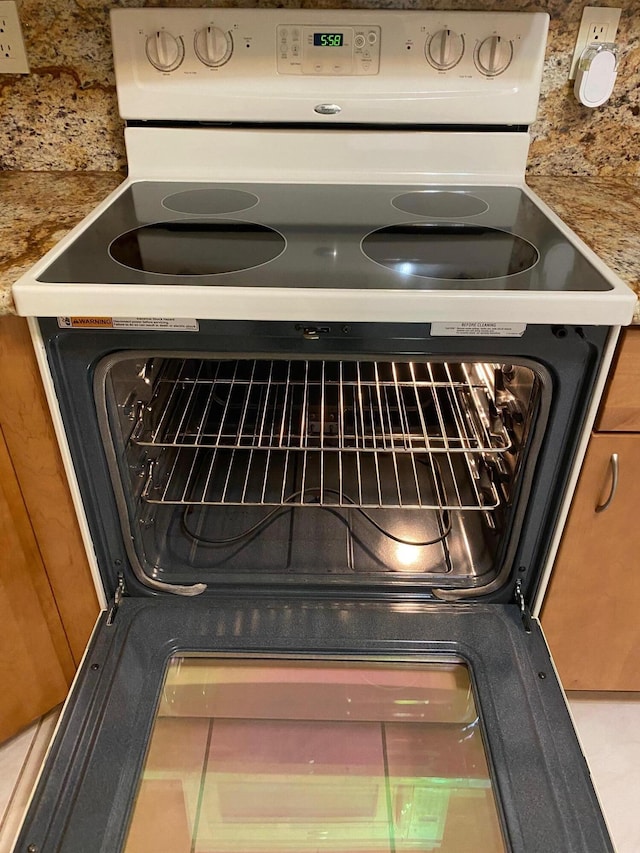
(596, 74)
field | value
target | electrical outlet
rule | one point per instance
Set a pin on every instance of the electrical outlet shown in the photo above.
(13, 56)
(598, 24)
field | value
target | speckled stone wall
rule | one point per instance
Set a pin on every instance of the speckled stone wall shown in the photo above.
(63, 116)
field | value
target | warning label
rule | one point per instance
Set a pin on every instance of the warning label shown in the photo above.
(145, 324)
(85, 322)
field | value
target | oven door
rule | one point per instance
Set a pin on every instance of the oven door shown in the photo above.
(281, 722)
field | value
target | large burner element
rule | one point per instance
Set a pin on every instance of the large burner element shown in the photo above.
(210, 201)
(440, 205)
(189, 248)
(452, 251)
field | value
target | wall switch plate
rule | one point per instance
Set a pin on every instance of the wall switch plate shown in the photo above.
(598, 24)
(13, 56)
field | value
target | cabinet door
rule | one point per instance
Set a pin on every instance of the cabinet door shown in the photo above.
(591, 613)
(621, 404)
(35, 660)
(28, 432)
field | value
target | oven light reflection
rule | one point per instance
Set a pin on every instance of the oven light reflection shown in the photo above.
(407, 556)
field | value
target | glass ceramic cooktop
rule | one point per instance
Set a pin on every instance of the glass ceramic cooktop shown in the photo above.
(325, 236)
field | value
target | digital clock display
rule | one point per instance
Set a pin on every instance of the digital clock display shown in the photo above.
(328, 39)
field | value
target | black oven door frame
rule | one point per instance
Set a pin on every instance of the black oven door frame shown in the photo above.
(569, 356)
(85, 797)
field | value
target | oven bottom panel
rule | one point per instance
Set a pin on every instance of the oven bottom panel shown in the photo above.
(259, 724)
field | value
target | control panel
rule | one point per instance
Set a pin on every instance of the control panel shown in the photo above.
(226, 64)
(333, 50)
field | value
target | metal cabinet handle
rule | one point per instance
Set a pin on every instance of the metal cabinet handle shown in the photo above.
(615, 469)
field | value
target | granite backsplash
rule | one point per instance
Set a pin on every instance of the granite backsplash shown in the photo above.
(63, 116)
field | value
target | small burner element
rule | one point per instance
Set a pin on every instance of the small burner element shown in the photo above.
(440, 205)
(453, 251)
(197, 247)
(210, 200)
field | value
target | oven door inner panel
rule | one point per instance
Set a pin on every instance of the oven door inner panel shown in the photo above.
(281, 722)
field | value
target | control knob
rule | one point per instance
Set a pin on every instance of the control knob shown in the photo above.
(164, 51)
(444, 49)
(493, 55)
(213, 46)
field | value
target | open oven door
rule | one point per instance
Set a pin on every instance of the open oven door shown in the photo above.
(273, 723)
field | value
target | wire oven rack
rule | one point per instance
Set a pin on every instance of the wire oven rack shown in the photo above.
(332, 433)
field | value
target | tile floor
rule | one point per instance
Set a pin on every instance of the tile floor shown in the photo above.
(20, 760)
(608, 726)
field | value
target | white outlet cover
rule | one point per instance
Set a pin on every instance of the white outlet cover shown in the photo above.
(594, 16)
(13, 56)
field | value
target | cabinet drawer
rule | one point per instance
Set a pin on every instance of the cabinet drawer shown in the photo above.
(590, 614)
(620, 411)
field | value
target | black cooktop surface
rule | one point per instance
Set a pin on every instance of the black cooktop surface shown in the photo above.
(328, 236)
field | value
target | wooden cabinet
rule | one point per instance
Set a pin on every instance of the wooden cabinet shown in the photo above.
(591, 615)
(47, 600)
(620, 410)
(35, 664)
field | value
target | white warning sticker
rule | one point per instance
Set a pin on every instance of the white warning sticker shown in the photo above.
(478, 330)
(144, 324)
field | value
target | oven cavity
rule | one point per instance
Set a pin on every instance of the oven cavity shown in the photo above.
(238, 469)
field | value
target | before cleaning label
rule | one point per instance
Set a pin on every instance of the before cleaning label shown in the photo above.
(478, 330)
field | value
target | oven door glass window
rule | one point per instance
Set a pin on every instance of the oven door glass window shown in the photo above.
(275, 755)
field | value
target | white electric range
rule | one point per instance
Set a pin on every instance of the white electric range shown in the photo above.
(323, 370)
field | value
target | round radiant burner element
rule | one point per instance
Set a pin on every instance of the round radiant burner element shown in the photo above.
(210, 201)
(199, 247)
(453, 251)
(440, 205)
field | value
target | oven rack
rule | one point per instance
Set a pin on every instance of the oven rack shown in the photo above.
(253, 477)
(347, 406)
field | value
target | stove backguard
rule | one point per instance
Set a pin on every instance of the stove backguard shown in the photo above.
(376, 457)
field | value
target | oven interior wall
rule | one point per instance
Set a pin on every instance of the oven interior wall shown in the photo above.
(317, 468)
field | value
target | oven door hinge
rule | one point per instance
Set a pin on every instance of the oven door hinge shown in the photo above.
(117, 598)
(525, 613)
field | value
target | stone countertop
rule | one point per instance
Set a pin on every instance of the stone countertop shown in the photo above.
(605, 213)
(38, 208)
